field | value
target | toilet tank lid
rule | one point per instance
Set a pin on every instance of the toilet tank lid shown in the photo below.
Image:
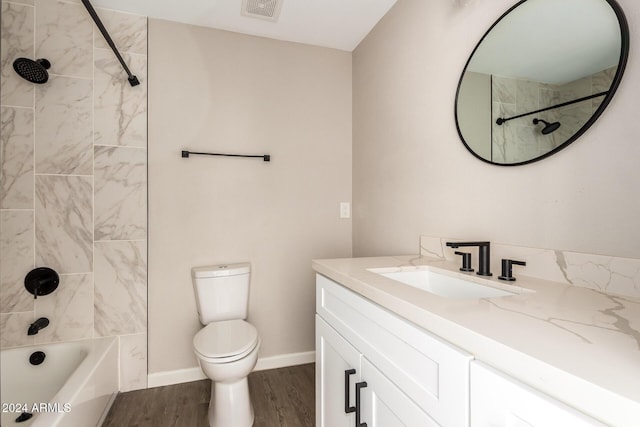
(221, 270)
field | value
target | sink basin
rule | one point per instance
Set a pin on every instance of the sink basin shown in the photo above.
(442, 285)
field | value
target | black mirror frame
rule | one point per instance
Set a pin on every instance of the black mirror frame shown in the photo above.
(624, 54)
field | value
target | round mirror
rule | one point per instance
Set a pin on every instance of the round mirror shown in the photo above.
(540, 77)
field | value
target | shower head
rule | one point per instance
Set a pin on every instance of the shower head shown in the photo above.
(33, 71)
(549, 127)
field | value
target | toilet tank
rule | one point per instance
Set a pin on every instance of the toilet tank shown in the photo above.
(222, 291)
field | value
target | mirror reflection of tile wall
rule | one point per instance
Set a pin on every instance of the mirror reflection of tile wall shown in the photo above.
(73, 182)
(519, 139)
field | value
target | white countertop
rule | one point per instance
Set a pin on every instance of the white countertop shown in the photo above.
(578, 345)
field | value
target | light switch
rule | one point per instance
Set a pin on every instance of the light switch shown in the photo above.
(345, 210)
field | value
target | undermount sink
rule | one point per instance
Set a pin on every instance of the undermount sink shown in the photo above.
(442, 285)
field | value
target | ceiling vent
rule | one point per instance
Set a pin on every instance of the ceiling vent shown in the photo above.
(268, 10)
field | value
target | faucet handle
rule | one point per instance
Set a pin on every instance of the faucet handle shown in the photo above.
(466, 261)
(507, 273)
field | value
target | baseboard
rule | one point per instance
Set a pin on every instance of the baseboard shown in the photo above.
(175, 377)
(284, 360)
(178, 376)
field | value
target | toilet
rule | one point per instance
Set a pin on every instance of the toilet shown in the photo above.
(227, 346)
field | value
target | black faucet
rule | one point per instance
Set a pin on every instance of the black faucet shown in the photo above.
(484, 257)
(35, 327)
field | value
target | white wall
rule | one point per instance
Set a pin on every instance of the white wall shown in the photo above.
(412, 175)
(218, 91)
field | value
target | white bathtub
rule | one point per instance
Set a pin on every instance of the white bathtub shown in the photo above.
(74, 386)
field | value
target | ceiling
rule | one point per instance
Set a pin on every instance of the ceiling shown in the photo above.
(338, 24)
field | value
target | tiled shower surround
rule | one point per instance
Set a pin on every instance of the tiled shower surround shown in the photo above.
(74, 179)
(519, 140)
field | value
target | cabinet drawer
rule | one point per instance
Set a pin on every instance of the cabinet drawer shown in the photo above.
(430, 371)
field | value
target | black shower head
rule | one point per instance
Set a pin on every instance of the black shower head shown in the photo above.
(549, 127)
(33, 71)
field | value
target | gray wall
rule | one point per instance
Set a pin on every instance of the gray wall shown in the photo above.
(218, 91)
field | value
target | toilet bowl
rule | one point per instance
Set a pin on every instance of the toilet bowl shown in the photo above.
(227, 347)
(227, 352)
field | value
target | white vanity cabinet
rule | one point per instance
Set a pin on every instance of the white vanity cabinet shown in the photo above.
(498, 400)
(412, 377)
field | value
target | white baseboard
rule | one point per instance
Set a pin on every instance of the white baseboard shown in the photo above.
(186, 375)
(175, 377)
(284, 360)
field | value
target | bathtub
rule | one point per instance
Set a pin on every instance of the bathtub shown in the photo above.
(74, 385)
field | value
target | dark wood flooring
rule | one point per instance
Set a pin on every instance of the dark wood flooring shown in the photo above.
(282, 397)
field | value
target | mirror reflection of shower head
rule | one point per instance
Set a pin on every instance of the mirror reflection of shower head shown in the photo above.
(549, 127)
(33, 71)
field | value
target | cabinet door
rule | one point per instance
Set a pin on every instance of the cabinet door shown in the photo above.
(334, 357)
(498, 400)
(384, 405)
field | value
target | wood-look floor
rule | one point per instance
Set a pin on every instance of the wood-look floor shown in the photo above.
(281, 397)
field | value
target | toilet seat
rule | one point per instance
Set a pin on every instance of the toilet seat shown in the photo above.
(225, 341)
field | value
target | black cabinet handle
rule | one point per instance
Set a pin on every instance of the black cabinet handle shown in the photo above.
(347, 408)
(359, 386)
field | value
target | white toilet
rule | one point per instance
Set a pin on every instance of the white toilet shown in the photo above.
(227, 347)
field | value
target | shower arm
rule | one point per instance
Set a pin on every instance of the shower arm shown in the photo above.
(500, 120)
(133, 80)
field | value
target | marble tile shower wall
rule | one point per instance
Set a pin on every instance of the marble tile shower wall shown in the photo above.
(73, 175)
(520, 139)
(598, 272)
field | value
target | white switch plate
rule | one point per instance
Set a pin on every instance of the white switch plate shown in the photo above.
(345, 210)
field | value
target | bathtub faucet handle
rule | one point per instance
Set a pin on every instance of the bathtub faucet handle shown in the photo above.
(41, 281)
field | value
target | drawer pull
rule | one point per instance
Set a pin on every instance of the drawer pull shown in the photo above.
(348, 408)
(359, 386)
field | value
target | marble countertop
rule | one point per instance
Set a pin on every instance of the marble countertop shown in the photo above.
(578, 345)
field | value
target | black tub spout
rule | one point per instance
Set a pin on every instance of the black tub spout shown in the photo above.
(35, 327)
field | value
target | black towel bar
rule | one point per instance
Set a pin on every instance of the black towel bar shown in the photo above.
(265, 157)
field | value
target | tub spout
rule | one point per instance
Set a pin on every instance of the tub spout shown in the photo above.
(35, 327)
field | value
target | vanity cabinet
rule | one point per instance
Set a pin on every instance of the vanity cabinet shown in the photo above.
(412, 377)
(498, 400)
